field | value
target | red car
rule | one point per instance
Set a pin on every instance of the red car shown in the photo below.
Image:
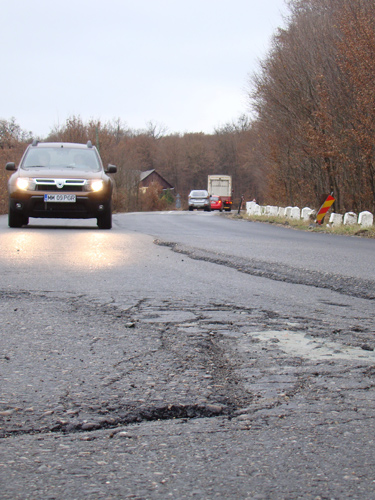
(216, 203)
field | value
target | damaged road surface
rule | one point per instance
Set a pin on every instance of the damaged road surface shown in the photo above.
(185, 356)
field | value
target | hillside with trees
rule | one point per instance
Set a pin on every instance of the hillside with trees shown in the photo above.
(184, 160)
(314, 99)
(312, 129)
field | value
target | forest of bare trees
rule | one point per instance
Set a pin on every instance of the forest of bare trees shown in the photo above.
(184, 161)
(314, 98)
(312, 129)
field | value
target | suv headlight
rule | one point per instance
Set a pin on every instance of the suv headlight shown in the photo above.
(95, 185)
(25, 184)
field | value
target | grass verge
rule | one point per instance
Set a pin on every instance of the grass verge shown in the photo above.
(347, 230)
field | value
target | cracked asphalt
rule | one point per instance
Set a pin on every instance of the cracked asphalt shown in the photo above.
(169, 358)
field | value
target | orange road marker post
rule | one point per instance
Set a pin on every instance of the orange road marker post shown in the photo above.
(324, 209)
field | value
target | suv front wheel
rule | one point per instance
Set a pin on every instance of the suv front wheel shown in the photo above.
(105, 219)
(16, 220)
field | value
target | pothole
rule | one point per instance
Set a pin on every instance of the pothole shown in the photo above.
(300, 344)
(166, 412)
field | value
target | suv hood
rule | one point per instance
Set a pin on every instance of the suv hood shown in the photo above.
(71, 173)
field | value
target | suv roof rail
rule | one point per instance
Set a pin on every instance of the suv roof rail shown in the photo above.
(89, 144)
(35, 142)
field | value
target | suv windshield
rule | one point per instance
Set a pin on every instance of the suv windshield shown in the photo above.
(82, 159)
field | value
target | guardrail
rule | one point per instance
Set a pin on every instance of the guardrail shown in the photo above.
(364, 219)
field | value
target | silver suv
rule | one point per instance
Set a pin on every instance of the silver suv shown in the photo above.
(199, 199)
(60, 180)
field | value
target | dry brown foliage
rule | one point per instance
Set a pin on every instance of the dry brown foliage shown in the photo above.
(314, 98)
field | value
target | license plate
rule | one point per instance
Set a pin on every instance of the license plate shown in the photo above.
(60, 198)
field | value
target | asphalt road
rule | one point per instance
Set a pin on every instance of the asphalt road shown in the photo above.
(185, 356)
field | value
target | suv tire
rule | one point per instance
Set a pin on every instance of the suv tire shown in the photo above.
(16, 220)
(105, 220)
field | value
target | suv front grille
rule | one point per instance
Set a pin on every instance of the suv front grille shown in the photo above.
(61, 185)
(41, 208)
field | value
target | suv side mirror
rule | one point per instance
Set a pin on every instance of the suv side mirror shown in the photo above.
(112, 169)
(10, 166)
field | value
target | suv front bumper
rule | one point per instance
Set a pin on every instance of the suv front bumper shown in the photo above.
(85, 207)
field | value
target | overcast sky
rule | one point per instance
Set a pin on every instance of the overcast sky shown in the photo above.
(181, 64)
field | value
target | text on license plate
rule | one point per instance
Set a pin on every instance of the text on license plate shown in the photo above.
(60, 198)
